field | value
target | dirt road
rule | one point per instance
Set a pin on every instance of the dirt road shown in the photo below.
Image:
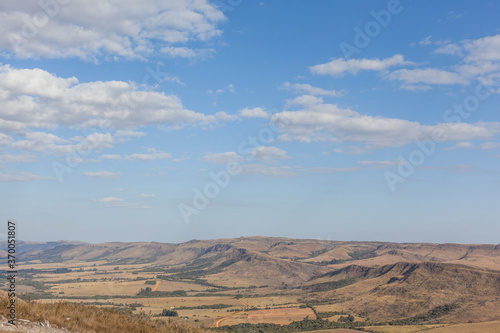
(156, 286)
(245, 304)
(217, 323)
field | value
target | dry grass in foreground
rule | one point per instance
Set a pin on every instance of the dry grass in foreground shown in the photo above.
(87, 319)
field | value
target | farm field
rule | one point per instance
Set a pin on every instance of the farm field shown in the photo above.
(280, 316)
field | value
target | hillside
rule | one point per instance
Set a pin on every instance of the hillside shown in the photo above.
(407, 289)
(276, 280)
(66, 317)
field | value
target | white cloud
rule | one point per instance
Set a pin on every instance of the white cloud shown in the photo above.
(261, 153)
(102, 174)
(110, 157)
(50, 143)
(128, 134)
(413, 87)
(339, 66)
(482, 49)
(221, 158)
(331, 170)
(20, 177)
(379, 164)
(229, 88)
(118, 202)
(480, 57)
(330, 123)
(108, 200)
(451, 49)
(266, 170)
(482, 146)
(457, 168)
(5, 139)
(152, 155)
(427, 76)
(184, 52)
(304, 88)
(268, 153)
(34, 98)
(21, 158)
(257, 112)
(425, 41)
(100, 28)
(142, 195)
(306, 100)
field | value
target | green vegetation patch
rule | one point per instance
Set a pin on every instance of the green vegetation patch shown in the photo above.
(435, 313)
(332, 285)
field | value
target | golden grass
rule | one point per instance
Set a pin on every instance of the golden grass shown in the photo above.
(89, 319)
(279, 316)
(486, 327)
(401, 329)
(129, 288)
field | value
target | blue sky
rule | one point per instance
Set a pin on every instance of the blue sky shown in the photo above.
(193, 119)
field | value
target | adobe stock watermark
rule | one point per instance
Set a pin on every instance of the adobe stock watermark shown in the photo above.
(425, 148)
(95, 140)
(221, 180)
(373, 28)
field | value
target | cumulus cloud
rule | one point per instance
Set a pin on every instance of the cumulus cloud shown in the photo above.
(482, 146)
(339, 66)
(257, 112)
(425, 41)
(268, 153)
(20, 158)
(34, 98)
(118, 202)
(330, 170)
(50, 143)
(480, 58)
(304, 88)
(102, 174)
(222, 158)
(5, 139)
(317, 121)
(128, 134)
(427, 76)
(266, 170)
(482, 49)
(20, 177)
(97, 28)
(380, 164)
(108, 199)
(185, 52)
(151, 155)
(110, 157)
(142, 195)
(451, 49)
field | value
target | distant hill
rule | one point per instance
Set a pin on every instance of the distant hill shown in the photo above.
(316, 252)
(405, 289)
(23, 246)
(381, 280)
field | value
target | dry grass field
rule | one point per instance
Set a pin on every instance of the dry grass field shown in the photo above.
(402, 329)
(279, 316)
(486, 327)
